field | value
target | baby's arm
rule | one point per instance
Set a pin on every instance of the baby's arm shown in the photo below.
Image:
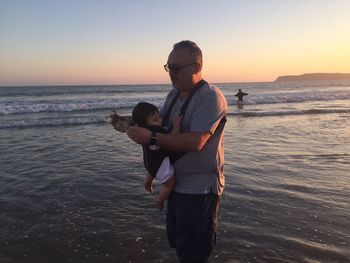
(148, 183)
(176, 124)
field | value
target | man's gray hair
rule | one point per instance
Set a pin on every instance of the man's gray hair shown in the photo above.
(195, 51)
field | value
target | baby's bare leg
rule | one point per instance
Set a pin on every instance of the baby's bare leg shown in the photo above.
(165, 192)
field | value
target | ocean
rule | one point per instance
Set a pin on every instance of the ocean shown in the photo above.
(71, 187)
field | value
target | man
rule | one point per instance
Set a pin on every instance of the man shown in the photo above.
(192, 212)
(240, 94)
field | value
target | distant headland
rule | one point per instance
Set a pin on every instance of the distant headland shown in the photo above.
(314, 76)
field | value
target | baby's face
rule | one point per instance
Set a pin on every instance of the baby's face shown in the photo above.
(154, 119)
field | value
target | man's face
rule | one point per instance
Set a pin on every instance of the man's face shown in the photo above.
(182, 66)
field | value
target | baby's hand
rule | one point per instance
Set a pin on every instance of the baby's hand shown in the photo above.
(149, 187)
(177, 124)
(148, 183)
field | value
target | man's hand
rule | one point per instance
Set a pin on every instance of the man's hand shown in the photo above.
(139, 135)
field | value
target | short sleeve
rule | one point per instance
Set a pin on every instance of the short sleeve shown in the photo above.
(208, 112)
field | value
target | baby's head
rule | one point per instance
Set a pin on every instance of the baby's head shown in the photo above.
(146, 114)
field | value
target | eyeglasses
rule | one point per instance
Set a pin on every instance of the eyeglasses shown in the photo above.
(175, 68)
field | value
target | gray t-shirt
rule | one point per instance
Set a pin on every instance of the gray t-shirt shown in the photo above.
(201, 172)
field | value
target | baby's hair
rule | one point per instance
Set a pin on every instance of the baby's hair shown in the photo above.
(141, 111)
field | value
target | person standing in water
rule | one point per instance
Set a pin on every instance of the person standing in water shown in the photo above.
(192, 208)
(240, 96)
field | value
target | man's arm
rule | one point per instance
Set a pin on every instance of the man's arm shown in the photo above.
(188, 141)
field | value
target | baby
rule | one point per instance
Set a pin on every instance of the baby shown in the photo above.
(156, 159)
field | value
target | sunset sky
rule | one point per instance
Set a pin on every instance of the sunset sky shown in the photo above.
(127, 41)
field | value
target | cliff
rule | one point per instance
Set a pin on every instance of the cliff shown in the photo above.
(314, 76)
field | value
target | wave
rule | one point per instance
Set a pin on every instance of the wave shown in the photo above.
(85, 120)
(119, 97)
(286, 113)
(8, 107)
(49, 122)
(293, 97)
(40, 91)
(21, 107)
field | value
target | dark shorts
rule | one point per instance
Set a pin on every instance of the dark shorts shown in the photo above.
(192, 222)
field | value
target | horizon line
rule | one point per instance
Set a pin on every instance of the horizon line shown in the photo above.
(125, 84)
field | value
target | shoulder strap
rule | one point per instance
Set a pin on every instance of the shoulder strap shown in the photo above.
(185, 105)
(189, 97)
(167, 114)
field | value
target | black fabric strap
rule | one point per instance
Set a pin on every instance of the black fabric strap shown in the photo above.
(189, 97)
(185, 104)
(167, 114)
